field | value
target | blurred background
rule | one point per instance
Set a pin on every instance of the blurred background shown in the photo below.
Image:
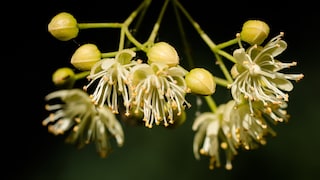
(32, 55)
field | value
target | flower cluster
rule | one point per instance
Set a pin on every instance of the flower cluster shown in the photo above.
(234, 126)
(143, 83)
(259, 92)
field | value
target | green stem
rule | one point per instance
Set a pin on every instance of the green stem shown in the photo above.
(227, 43)
(223, 68)
(114, 53)
(221, 82)
(134, 41)
(139, 20)
(126, 24)
(99, 25)
(211, 103)
(226, 55)
(82, 75)
(156, 26)
(207, 40)
(184, 38)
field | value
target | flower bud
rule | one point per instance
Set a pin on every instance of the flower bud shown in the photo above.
(200, 81)
(64, 78)
(254, 32)
(164, 53)
(85, 56)
(63, 26)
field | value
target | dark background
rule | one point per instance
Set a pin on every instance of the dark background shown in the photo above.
(31, 55)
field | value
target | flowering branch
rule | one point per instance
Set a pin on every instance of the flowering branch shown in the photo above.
(152, 90)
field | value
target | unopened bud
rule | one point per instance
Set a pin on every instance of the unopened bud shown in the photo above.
(63, 26)
(85, 56)
(200, 81)
(64, 78)
(164, 53)
(254, 32)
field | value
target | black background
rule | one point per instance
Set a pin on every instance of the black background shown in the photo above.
(30, 55)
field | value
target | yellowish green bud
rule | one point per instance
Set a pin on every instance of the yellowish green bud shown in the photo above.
(254, 32)
(63, 26)
(85, 56)
(64, 78)
(200, 81)
(164, 53)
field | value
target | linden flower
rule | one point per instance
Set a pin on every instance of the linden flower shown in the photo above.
(212, 136)
(234, 126)
(158, 91)
(257, 75)
(84, 121)
(249, 130)
(111, 75)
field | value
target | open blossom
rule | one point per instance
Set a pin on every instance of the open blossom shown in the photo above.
(110, 76)
(84, 122)
(234, 126)
(257, 73)
(212, 135)
(158, 91)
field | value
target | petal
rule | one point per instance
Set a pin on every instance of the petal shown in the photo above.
(125, 56)
(107, 63)
(200, 119)
(277, 48)
(177, 71)
(241, 56)
(140, 72)
(213, 127)
(283, 84)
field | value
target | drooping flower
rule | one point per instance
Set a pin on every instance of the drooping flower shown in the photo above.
(85, 122)
(158, 91)
(257, 73)
(235, 126)
(110, 76)
(212, 135)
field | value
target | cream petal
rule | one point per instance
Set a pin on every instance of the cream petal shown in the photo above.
(241, 56)
(125, 56)
(200, 119)
(283, 84)
(107, 63)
